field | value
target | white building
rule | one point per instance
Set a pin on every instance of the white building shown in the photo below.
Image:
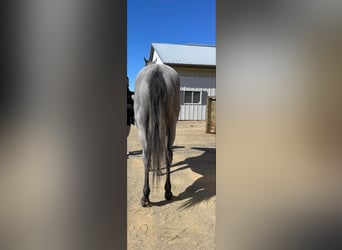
(196, 66)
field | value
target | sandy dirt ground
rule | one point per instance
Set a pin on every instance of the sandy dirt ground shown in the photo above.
(188, 221)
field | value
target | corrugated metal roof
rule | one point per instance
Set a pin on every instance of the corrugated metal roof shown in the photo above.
(203, 55)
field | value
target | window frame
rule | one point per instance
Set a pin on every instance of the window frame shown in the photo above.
(192, 96)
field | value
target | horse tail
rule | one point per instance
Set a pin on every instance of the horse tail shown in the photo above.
(157, 123)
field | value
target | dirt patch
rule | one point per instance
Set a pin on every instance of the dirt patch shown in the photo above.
(188, 221)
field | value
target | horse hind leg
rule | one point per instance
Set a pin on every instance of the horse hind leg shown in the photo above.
(168, 193)
(145, 201)
(169, 157)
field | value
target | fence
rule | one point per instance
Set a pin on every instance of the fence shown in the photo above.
(211, 115)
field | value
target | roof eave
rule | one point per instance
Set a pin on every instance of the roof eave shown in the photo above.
(191, 65)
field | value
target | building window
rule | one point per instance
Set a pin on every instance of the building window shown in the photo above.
(192, 97)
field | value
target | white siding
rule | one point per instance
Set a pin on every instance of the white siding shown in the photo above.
(156, 56)
(206, 85)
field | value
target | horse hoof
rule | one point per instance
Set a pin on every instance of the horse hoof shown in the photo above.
(168, 195)
(145, 202)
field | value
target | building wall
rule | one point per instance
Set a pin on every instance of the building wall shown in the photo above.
(194, 79)
(205, 86)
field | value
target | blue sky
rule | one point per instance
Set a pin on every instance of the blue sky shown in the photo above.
(176, 21)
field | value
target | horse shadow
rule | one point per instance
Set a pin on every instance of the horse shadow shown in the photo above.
(205, 186)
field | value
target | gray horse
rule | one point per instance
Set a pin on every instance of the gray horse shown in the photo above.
(156, 108)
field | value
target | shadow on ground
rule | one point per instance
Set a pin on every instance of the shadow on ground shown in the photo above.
(205, 186)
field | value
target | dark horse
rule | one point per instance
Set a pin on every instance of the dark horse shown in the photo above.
(156, 108)
(130, 109)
